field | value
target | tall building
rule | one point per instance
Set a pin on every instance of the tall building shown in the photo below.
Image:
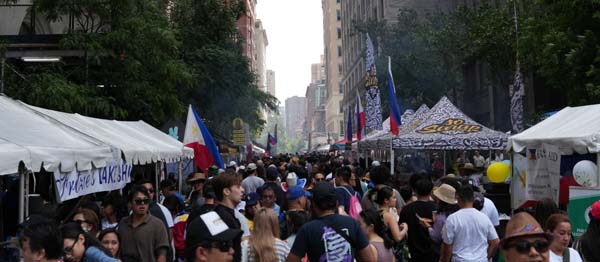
(271, 87)
(295, 115)
(245, 25)
(260, 55)
(332, 37)
(316, 98)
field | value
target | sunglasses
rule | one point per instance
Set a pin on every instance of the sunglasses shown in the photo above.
(69, 250)
(79, 221)
(144, 201)
(223, 246)
(524, 246)
(319, 179)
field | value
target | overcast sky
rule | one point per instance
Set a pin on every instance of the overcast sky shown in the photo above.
(295, 34)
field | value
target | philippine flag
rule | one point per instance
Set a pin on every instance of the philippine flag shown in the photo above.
(197, 137)
(360, 118)
(395, 117)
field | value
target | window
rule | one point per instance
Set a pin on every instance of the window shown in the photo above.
(339, 15)
(339, 33)
(339, 51)
(338, 1)
(341, 88)
(340, 69)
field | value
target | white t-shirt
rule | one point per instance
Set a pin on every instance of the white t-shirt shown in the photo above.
(243, 221)
(167, 215)
(490, 210)
(479, 161)
(468, 231)
(573, 256)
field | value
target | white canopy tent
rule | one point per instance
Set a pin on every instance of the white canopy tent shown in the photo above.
(36, 141)
(572, 129)
(139, 142)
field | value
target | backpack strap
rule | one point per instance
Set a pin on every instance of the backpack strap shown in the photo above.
(345, 189)
(339, 232)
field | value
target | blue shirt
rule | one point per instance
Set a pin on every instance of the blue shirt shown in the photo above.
(93, 254)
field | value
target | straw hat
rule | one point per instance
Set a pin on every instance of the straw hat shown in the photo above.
(523, 224)
(468, 166)
(196, 177)
(446, 193)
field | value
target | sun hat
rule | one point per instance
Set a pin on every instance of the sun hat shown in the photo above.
(446, 193)
(523, 224)
(195, 177)
(468, 166)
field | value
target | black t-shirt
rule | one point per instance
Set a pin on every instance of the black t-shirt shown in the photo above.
(343, 194)
(228, 216)
(419, 242)
(322, 243)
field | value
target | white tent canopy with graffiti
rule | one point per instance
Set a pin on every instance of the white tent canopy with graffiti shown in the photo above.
(445, 127)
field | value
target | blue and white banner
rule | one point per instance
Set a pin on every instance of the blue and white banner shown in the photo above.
(78, 183)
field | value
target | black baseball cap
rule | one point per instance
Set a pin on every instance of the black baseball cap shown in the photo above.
(208, 227)
(324, 192)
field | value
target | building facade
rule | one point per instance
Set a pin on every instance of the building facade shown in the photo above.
(260, 55)
(295, 116)
(316, 98)
(332, 38)
(271, 87)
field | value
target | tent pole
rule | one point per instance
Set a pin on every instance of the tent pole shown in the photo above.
(22, 176)
(26, 192)
(156, 181)
(391, 158)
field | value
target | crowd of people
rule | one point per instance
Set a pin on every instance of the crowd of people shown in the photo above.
(305, 208)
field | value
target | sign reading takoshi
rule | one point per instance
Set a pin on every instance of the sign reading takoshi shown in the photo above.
(450, 126)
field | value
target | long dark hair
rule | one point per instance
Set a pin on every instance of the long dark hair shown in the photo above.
(72, 230)
(589, 241)
(380, 193)
(372, 217)
(107, 231)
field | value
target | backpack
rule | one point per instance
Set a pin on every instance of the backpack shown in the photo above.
(355, 208)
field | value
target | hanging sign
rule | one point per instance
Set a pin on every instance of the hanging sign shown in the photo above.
(239, 134)
(78, 183)
(451, 126)
(543, 173)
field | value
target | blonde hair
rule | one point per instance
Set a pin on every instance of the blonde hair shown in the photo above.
(266, 230)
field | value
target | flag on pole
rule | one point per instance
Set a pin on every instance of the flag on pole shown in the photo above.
(268, 149)
(360, 118)
(516, 102)
(349, 128)
(272, 139)
(395, 117)
(198, 137)
(373, 100)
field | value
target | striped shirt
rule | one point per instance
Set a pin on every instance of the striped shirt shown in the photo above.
(281, 249)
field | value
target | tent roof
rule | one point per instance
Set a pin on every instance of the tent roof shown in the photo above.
(381, 138)
(27, 137)
(446, 127)
(572, 129)
(139, 142)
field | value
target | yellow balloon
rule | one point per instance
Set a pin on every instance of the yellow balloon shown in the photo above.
(498, 172)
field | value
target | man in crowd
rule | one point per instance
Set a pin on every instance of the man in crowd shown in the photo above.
(525, 240)
(468, 234)
(252, 205)
(252, 182)
(143, 236)
(229, 193)
(296, 200)
(380, 176)
(39, 240)
(272, 175)
(419, 242)
(344, 190)
(478, 161)
(196, 197)
(330, 237)
(209, 238)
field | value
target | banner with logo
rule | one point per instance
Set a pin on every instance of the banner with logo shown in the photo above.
(518, 180)
(78, 183)
(543, 173)
(580, 201)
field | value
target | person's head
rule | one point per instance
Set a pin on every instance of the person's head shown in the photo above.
(589, 239)
(295, 220)
(297, 195)
(208, 238)
(323, 198)
(75, 242)
(544, 208)
(197, 181)
(445, 196)
(423, 187)
(476, 153)
(317, 177)
(39, 240)
(272, 173)
(251, 169)
(416, 177)
(266, 229)
(173, 204)
(139, 200)
(252, 205)
(111, 240)
(343, 175)
(525, 240)
(228, 189)
(406, 193)
(559, 226)
(113, 205)
(465, 196)
(379, 175)
(450, 180)
(384, 196)
(268, 197)
(88, 220)
(149, 187)
(372, 223)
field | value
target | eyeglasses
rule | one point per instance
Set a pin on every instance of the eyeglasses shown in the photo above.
(69, 250)
(79, 221)
(524, 246)
(223, 246)
(150, 191)
(319, 179)
(144, 201)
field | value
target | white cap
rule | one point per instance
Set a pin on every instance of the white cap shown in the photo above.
(242, 167)
(329, 176)
(375, 163)
(232, 163)
(292, 179)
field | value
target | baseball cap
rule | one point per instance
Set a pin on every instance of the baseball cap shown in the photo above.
(595, 210)
(252, 199)
(208, 227)
(251, 167)
(295, 192)
(232, 164)
(291, 179)
(324, 192)
(213, 170)
(375, 163)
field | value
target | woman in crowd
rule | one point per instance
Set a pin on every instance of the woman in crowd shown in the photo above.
(379, 240)
(112, 210)
(264, 244)
(559, 226)
(385, 198)
(80, 246)
(587, 244)
(88, 220)
(445, 198)
(111, 241)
